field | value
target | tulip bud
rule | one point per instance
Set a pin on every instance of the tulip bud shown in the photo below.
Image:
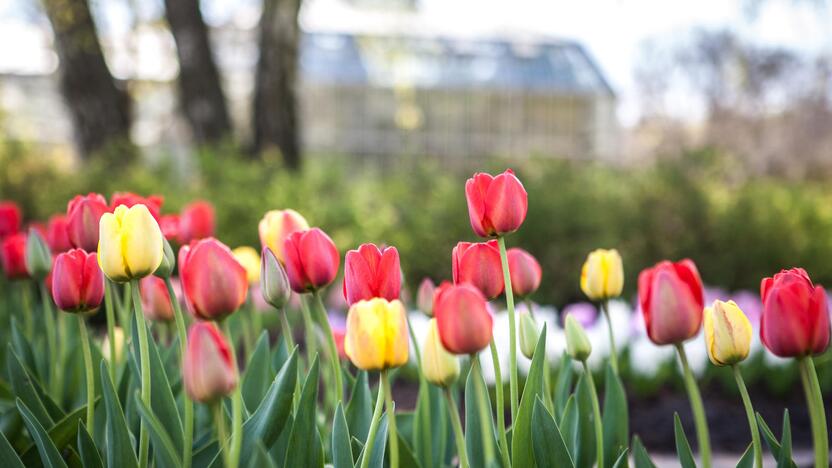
(274, 284)
(38, 256)
(372, 272)
(462, 317)
(671, 299)
(376, 337)
(525, 272)
(118, 333)
(83, 215)
(311, 260)
(130, 243)
(479, 264)
(77, 282)
(9, 218)
(250, 260)
(213, 281)
(13, 256)
(128, 199)
(208, 371)
(424, 297)
(727, 333)
(602, 276)
(276, 226)
(577, 343)
(529, 333)
(156, 303)
(795, 320)
(496, 205)
(57, 235)
(439, 366)
(196, 222)
(168, 261)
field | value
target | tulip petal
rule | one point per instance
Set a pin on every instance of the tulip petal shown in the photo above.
(506, 203)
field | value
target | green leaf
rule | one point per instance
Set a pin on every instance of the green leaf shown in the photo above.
(304, 441)
(119, 447)
(585, 434)
(49, 454)
(379, 445)
(163, 449)
(640, 457)
(563, 385)
(341, 448)
(522, 448)
(24, 388)
(615, 417)
(785, 458)
(61, 434)
(258, 373)
(21, 346)
(90, 458)
(359, 411)
(279, 356)
(8, 457)
(423, 430)
(747, 459)
(569, 426)
(473, 421)
(549, 448)
(682, 446)
(261, 458)
(622, 461)
(771, 440)
(406, 457)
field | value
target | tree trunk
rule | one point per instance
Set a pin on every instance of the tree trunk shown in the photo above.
(275, 100)
(100, 111)
(200, 92)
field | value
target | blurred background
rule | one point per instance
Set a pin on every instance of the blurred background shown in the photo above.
(664, 129)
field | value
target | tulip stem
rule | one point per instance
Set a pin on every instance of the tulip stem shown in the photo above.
(51, 339)
(323, 321)
(85, 346)
(236, 409)
(427, 449)
(605, 308)
(222, 430)
(415, 342)
(596, 415)
(111, 327)
(500, 403)
(749, 413)
(484, 407)
(374, 422)
(817, 411)
(697, 408)
(287, 330)
(512, 332)
(457, 425)
(391, 420)
(144, 355)
(26, 306)
(309, 330)
(187, 404)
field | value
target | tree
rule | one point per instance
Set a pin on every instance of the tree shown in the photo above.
(200, 92)
(275, 100)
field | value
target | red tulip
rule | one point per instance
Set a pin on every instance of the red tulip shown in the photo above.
(13, 256)
(208, 371)
(311, 260)
(196, 222)
(525, 272)
(795, 320)
(83, 214)
(671, 300)
(214, 282)
(57, 234)
(9, 218)
(462, 318)
(496, 205)
(169, 224)
(424, 297)
(128, 199)
(479, 264)
(156, 303)
(77, 281)
(370, 272)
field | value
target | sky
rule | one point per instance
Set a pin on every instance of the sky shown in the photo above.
(613, 31)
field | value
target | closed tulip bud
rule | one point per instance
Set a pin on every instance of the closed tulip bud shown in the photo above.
(372, 272)
(213, 281)
(529, 333)
(462, 317)
(496, 205)
(479, 264)
(208, 371)
(525, 272)
(795, 320)
(439, 366)
(130, 243)
(196, 222)
(424, 297)
(376, 337)
(57, 235)
(311, 260)
(250, 260)
(77, 282)
(276, 226)
(602, 276)
(671, 299)
(156, 303)
(10, 218)
(13, 256)
(38, 256)
(168, 261)
(83, 215)
(577, 343)
(169, 224)
(727, 333)
(118, 333)
(274, 284)
(128, 199)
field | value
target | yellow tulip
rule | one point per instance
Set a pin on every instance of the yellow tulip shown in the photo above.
(276, 226)
(130, 244)
(439, 366)
(602, 275)
(376, 336)
(249, 258)
(118, 334)
(727, 333)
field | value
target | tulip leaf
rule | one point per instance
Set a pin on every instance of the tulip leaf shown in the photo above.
(563, 385)
(261, 458)
(163, 448)
(640, 457)
(549, 448)
(258, 373)
(24, 385)
(8, 457)
(569, 426)
(622, 461)
(305, 447)
(406, 457)
(359, 412)
(785, 458)
(23, 348)
(431, 430)
(683, 450)
(615, 417)
(49, 454)
(747, 459)
(90, 458)
(585, 434)
(378, 448)
(61, 434)
(771, 440)
(474, 438)
(119, 446)
(522, 449)
(208, 454)
(279, 356)
(341, 448)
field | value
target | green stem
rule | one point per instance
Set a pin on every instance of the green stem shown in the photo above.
(512, 332)
(85, 346)
(287, 330)
(374, 422)
(222, 430)
(391, 420)
(427, 449)
(501, 412)
(144, 353)
(323, 321)
(28, 317)
(111, 327)
(749, 413)
(698, 409)
(236, 411)
(596, 416)
(51, 338)
(457, 425)
(186, 402)
(309, 331)
(605, 308)
(818, 413)
(484, 409)
(415, 342)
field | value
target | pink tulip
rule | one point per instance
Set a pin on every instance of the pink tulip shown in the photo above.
(372, 272)
(208, 372)
(312, 260)
(77, 281)
(479, 263)
(496, 205)
(671, 300)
